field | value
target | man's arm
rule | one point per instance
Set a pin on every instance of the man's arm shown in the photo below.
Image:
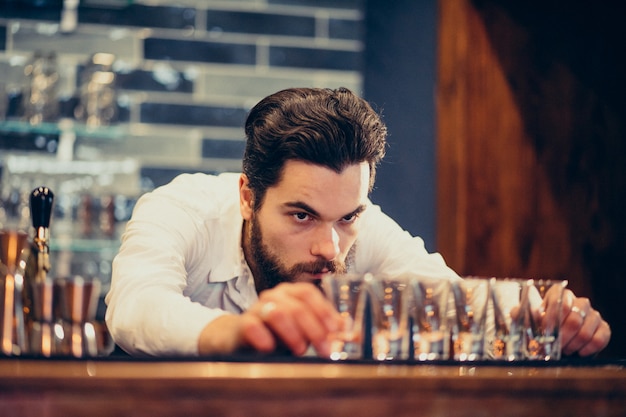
(386, 248)
(147, 310)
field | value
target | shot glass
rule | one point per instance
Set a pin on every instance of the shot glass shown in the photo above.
(471, 297)
(346, 292)
(543, 320)
(509, 297)
(389, 305)
(428, 309)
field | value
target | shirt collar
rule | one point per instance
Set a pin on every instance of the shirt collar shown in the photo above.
(233, 264)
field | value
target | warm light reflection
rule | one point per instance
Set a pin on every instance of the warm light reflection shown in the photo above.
(46, 340)
(59, 333)
(467, 370)
(7, 325)
(90, 339)
(77, 340)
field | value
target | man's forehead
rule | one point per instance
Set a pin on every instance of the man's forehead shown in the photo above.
(319, 186)
(300, 173)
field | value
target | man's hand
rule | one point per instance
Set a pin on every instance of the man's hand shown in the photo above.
(295, 315)
(583, 330)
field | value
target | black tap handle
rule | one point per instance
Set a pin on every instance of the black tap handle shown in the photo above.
(41, 200)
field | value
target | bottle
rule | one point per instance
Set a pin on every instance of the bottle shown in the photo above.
(40, 102)
(98, 94)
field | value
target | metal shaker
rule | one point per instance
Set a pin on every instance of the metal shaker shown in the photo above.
(12, 264)
(24, 263)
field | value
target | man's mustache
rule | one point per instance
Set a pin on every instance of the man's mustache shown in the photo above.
(318, 267)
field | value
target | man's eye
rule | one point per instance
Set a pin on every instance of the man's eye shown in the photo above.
(301, 216)
(350, 218)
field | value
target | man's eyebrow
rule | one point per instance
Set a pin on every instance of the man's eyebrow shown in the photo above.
(301, 206)
(305, 207)
(359, 209)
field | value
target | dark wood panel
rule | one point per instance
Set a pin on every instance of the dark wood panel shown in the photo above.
(531, 150)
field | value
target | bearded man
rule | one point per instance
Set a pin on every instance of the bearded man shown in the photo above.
(212, 264)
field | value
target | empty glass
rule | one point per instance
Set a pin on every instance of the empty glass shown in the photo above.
(471, 296)
(509, 296)
(389, 297)
(429, 308)
(346, 292)
(543, 319)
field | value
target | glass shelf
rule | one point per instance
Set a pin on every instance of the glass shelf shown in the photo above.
(95, 245)
(65, 126)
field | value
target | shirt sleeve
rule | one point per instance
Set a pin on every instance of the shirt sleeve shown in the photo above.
(147, 311)
(384, 248)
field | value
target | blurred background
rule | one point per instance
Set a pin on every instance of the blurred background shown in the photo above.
(506, 119)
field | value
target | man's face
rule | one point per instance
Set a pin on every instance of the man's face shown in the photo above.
(307, 224)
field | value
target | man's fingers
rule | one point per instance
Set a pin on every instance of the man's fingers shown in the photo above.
(599, 341)
(577, 332)
(299, 315)
(323, 310)
(583, 330)
(256, 335)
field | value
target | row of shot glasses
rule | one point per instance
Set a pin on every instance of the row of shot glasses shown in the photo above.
(437, 319)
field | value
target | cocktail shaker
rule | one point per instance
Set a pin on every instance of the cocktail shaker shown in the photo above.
(24, 264)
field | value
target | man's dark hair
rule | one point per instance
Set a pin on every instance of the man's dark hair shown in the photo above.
(331, 128)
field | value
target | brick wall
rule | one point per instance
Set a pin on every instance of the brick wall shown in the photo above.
(186, 73)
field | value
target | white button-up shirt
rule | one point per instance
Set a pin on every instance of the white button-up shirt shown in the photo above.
(181, 264)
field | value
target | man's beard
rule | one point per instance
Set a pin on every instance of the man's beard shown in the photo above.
(269, 271)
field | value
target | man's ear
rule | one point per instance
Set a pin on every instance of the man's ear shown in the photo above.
(246, 197)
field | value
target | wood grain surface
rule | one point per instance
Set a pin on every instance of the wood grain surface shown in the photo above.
(171, 388)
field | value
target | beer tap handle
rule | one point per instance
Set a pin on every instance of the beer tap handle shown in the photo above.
(41, 200)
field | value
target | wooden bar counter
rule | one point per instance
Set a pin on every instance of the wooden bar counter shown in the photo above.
(112, 387)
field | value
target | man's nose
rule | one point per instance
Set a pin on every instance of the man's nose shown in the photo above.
(326, 243)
